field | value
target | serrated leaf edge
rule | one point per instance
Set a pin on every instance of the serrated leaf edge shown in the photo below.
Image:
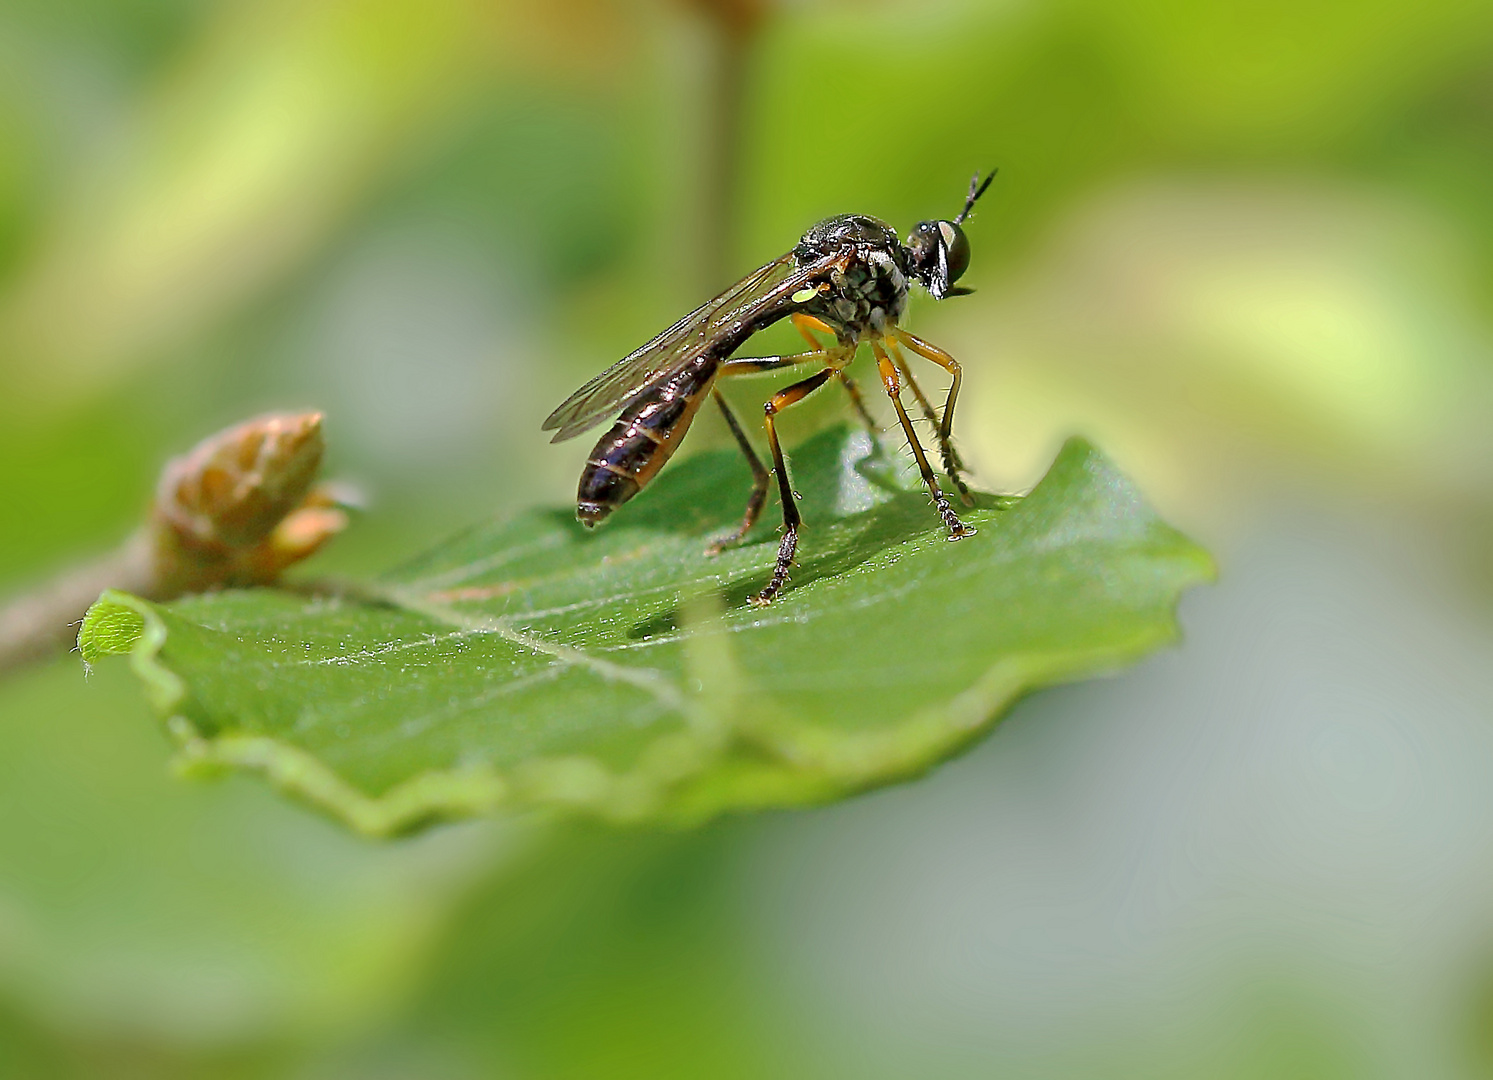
(163, 687)
(556, 783)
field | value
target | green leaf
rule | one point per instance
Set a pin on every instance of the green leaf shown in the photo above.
(530, 664)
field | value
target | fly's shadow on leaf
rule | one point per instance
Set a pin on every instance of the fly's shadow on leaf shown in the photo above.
(857, 500)
(530, 664)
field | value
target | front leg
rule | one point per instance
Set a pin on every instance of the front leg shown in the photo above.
(951, 460)
(891, 381)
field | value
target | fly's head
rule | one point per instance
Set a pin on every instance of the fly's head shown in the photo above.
(938, 251)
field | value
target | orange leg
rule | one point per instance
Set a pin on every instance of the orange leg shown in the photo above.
(917, 391)
(951, 463)
(807, 325)
(791, 519)
(831, 356)
(891, 381)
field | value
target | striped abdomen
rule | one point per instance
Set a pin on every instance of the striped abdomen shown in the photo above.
(641, 440)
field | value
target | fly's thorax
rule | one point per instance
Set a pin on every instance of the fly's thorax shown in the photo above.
(834, 235)
(865, 298)
(870, 293)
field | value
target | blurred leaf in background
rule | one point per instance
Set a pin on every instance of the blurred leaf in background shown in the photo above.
(1248, 248)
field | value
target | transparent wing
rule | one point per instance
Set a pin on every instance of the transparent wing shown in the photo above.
(765, 293)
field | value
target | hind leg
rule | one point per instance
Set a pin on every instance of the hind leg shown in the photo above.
(759, 481)
(791, 519)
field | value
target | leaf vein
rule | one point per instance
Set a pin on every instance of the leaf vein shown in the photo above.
(649, 680)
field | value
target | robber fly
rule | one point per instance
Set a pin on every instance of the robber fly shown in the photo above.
(848, 276)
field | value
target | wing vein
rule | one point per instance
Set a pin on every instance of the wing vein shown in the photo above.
(761, 297)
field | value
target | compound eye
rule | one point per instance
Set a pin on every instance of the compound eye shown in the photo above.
(957, 246)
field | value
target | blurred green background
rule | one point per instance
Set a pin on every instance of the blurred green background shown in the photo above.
(1248, 248)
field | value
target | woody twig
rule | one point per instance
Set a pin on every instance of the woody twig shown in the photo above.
(235, 511)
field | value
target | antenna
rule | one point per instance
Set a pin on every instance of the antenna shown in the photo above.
(976, 189)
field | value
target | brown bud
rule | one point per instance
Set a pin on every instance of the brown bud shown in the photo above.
(236, 510)
(240, 507)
